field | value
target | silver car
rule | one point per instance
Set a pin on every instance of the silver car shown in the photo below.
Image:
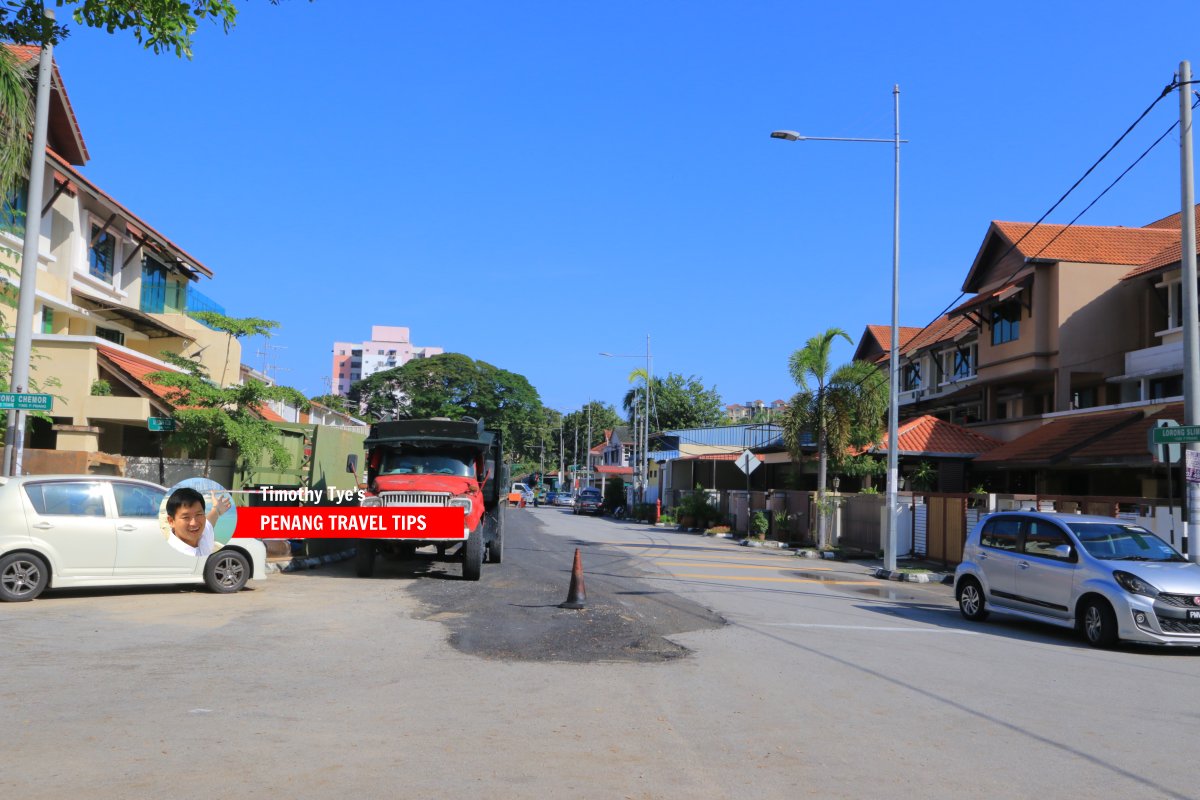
(1107, 578)
(73, 531)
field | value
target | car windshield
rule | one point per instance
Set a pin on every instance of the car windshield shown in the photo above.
(416, 463)
(589, 495)
(1114, 541)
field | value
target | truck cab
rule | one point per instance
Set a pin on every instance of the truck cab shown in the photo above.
(436, 462)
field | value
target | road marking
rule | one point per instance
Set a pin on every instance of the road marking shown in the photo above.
(866, 628)
(776, 580)
(722, 565)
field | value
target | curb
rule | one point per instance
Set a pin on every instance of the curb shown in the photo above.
(913, 577)
(309, 562)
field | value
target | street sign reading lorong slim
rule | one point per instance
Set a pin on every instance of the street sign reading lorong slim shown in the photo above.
(26, 402)
(1178, 433)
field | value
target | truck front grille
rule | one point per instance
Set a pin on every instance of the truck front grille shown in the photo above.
(415, 498)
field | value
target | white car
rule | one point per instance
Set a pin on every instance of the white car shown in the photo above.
(72, 531)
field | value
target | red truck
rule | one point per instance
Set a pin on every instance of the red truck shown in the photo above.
(437, 462)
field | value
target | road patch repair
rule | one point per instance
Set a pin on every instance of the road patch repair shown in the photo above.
(512, 613)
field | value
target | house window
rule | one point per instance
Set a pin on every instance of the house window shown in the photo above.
(960, 364)
(154, 286)
(1166, 387)
(911, 378)
(114, 336)
(1006, 323)
(47, 319)
(12, 211)
(102, 255)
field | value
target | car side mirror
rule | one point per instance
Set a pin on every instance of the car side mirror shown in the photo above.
(1065, 552)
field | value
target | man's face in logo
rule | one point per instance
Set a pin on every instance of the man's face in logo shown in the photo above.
(188, 523)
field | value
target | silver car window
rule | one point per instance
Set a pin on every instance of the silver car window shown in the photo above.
(137, 501)
(1042, 537)
(1000, 533)
(67, 498)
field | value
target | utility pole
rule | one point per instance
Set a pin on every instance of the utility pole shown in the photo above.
(1191, 323)
(14, 443)
(575, 459)
(588, 448)
(645, 465)
(562, 462)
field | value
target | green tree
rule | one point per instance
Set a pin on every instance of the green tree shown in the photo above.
(838, 408)
(454, 385)
(675, 402)
(16, 126)
(337, 402)
(235, 328)
(603, 417)
(208, 414)
(158, 25)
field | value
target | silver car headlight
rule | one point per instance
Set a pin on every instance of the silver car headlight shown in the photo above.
(371, 501)
(1133, 584)
(465, 502)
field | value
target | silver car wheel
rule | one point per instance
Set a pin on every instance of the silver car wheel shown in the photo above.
(1093, 624)
(21, 577)
(970, 600)
(228, 572)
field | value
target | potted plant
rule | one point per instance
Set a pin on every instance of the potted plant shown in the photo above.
(759, 525)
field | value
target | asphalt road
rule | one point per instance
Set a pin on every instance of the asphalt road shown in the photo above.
(823, 683)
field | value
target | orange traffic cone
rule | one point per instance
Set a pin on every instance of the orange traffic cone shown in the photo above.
(576, 595)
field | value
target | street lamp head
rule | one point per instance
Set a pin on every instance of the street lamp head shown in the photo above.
(791, 136)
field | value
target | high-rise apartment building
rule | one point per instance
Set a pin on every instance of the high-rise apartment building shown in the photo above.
(389, 347)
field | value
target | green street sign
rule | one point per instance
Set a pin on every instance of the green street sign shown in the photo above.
(1177, 433)
(26, 402)
(164, 424)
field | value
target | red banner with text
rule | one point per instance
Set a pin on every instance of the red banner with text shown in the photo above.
(351, 522)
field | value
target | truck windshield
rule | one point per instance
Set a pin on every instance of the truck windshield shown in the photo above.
(461, 464)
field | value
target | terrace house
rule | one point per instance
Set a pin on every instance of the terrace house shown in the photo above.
(113, 293)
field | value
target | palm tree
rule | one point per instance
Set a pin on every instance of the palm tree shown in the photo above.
(16, 122)
(838, 408)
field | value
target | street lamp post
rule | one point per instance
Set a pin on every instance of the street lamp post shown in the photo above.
(889, 550)
(644, 441)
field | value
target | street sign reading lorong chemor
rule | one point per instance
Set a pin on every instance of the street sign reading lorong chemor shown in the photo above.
(1178, 433)
(26, 402)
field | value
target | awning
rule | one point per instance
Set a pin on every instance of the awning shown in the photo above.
(140, 321)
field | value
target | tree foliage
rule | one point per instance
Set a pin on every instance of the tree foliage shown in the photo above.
(209, 415)
(839, 408)
(675, 402)
(454, 385)
(158, 25)
(603, 417)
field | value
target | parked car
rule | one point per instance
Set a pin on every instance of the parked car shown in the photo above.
(565, 499)
(71, 531)
(1109, 579)
(589, 501)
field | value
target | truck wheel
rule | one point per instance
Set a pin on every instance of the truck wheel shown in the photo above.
(495, 547)
(472, 555)
(364, 560)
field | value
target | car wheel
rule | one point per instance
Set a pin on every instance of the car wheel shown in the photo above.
(364, 559)
(970, 601)
(1099, 624)
(226, 571)
(472, 555)
(23, 576)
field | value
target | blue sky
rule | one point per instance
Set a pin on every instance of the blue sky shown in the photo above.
(531, 183)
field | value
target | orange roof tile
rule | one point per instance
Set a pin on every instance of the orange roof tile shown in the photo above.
(716, 457)
(1060, 438)
(1172, 222)
(1086, 243)
(943, 329)
(267, 414)
(1129, 441)
(883, 335)
(928, 435)
(138, 369)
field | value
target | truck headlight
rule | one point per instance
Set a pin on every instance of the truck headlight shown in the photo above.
(1133, 584)
(371, 501)
(465, 502)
